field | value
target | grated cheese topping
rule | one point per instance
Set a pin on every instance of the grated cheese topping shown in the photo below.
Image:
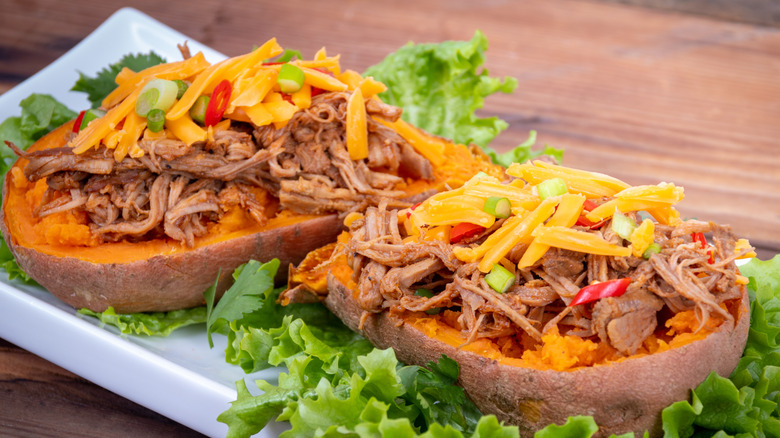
(543, 224)
(255, 98)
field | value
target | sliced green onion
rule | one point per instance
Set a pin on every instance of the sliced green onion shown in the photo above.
(427, 293)
(551, 187)
(422, 292)
(288, 55)
(290, 78)
(500, 279)
(90, 115)
(480, 175)
(623, 225)
(156, 94)
(498, 207)
(155, 120)
(654, 248)
(182, 87)
(198, 109)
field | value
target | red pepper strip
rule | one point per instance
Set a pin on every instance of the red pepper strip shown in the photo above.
(464, 230)
(409, 212)
(325, 70)
(589, 205)
(79, 119)
(314, 90)
(218, 103)
(699, 237)
(605, 289)
(585, 222)
(582, 221)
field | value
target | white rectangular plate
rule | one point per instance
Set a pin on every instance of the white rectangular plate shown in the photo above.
(178, 376)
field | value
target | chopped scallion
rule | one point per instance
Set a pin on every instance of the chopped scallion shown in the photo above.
(198, 109)
(156, 94)
(288, 55)
(422, 292)
(290, 78)
(500, 278)
(182, 87)
(90, 115)
(155, 120)
(551, 187)
(654, 248)
(623, 225)
(498, 207)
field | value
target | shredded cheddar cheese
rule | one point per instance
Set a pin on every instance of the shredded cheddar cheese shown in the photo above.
(541, 225)
(357, 128)
(254, 97)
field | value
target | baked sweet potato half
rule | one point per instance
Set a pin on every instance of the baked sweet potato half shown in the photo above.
(141, 208)
(564, 301)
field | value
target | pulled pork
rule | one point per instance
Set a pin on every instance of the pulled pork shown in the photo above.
(176, 190)
(388, 273)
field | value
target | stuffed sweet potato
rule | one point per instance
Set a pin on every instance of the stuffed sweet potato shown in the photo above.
(194, 168)
(554, 293)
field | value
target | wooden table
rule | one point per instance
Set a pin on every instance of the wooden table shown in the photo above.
(643, 95)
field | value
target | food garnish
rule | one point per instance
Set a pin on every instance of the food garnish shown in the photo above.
(510, 282)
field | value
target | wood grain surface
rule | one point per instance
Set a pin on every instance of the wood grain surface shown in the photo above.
(643, 95)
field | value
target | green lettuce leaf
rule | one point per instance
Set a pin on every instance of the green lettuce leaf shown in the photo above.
(441, 86)
(149, 324)
(41, 113)
(337, 384)
(575, 427)
(8, 262)
(102, 84)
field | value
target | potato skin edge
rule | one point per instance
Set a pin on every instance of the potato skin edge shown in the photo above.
(622, 397)
(168, 282)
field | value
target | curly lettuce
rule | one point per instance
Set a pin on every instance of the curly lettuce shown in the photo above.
(441, 86)
(337, 384)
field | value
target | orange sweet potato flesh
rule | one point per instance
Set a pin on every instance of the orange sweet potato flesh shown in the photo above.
(623, 396)
(157, 275)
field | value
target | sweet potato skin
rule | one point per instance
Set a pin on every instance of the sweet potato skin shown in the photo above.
(622, 397)
(163, 282)
(167, 282)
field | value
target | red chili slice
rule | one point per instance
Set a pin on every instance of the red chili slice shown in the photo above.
(605, 289)
(585, 222)
(218, 103)
(314, 90)
(409, 212)
(589, 205)
(464, 230)
(77, 123)
(699, 237)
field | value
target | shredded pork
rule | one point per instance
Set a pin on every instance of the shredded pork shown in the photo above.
(176, 190)
(680, 277)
